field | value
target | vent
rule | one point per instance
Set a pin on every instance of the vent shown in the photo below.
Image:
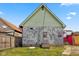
(42, 7)
(31, 28)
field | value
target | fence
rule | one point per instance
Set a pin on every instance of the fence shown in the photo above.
(6, 40)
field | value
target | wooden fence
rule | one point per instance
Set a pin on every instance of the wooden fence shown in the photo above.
(7, 42)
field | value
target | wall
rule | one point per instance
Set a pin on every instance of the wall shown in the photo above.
(42, 18)
(6, 41)
(33, 36)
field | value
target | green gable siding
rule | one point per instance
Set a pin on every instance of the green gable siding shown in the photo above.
(51, 20)
(35, 20)
(42, 18)
(38, 19)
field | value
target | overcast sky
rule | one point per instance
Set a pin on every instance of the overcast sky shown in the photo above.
(16, 13)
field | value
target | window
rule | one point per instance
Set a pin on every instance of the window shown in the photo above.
(31, 28)
(44, 34)
(59, 34)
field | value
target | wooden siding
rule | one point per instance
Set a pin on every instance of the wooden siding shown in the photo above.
(7, 41)
(42, 16)
(34, 36)
(42, 27)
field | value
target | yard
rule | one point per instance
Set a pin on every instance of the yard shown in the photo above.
(23, 51)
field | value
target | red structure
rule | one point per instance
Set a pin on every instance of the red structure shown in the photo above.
(68, 39)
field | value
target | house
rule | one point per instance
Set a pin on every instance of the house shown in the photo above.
(68, 32)
(75, 36)
(42, 28)
(8, 33)
(72, 38)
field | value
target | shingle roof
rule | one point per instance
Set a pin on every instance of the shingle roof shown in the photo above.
(2, 30)
(9, 25)
(75, 33)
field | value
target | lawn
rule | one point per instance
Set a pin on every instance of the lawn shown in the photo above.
(24, 51)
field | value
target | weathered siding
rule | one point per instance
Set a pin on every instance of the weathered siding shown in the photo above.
(7, 41)
(34, 36)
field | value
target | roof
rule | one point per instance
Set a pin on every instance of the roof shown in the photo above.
(37, 10)
(2, 30)
(9, 25)
(68, 30)
(75, 33)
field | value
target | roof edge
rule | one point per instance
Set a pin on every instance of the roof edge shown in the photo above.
(42, 4)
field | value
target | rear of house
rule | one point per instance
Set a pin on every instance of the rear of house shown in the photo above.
(42, 28)
(8, 34)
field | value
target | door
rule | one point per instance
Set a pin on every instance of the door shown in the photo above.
(46, 40)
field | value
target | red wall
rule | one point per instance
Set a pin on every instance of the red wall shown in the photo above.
(68, 39)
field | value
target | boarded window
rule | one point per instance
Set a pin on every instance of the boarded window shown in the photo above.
(45, 34)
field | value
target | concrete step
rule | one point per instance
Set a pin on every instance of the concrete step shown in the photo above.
(67, 51)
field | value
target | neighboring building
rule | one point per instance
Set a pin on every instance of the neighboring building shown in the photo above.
(68, 32)
(42, 27)
(75, 36)
(68, 37)
(8, 36)
(71, 38)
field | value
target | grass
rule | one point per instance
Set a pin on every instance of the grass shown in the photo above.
(24, 51)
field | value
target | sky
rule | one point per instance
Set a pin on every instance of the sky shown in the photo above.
(17, 12)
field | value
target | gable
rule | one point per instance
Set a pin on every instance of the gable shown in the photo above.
(35, 20)
(50, 20)
(42, 17)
